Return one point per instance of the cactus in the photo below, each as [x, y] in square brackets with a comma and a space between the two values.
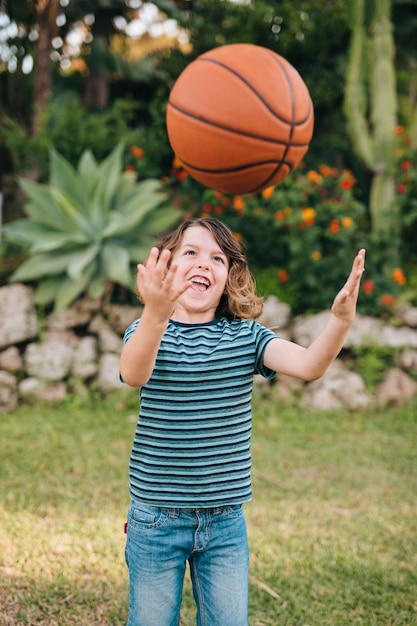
[371, 106]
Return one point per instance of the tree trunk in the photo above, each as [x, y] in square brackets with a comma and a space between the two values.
[97, 90]
[46, 14]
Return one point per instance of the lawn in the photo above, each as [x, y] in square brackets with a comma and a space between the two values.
[332, 525]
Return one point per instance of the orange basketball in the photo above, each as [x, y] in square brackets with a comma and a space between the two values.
[239, 118]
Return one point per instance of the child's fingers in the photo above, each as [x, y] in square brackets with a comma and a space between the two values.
[355, 275]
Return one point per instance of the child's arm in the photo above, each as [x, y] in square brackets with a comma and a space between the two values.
[159, 291]
[310, 363]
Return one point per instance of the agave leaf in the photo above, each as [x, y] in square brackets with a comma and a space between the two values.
[47, 290]
[141, 203]
[121, 223]
[48, 264]
[116, 264]
[138, 251]
[83, 260]
[126, 187]
[71, 209]
[69, 290]
[63, 176]
[109, 175]
[57, 241]
[43, 207]
[132, 213]
[87, 165]
[88, 179]
[97, 284]
[24, 231]
[160, 221]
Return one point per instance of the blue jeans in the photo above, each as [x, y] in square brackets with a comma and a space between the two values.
[159, 543]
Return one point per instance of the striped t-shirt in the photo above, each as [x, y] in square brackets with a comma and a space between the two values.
[192, 443]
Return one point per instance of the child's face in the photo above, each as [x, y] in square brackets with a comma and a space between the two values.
[203, 264]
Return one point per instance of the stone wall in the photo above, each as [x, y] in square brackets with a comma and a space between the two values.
[79, 348]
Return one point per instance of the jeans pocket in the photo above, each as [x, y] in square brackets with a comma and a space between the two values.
[233, 510]
[145, 516]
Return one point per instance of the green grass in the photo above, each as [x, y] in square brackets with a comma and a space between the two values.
[332, 525]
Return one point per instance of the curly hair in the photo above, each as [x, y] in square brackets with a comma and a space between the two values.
[239, 299]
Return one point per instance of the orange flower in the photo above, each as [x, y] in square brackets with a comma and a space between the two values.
[176, 163]
[347, 222]
[238, 203]
[398, 276]
[316, 255]
[130, 168]
[368, 286]
[327, 171]
[283, 276]
[308, 215]
[218, 209]
[137, 152]
[218, 195]
[388, 300]
[268, 192]
[399, 130]
[238, 236]
[314, 177]
[334, 226]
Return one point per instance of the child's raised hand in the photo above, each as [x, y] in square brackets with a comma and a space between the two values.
[344, 305]
[158, 284]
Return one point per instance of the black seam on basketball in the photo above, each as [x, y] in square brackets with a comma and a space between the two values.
[256, 92]
[231, 170]
[265, 182]
[242, 133]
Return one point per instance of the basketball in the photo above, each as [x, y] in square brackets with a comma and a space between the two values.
[239, 118]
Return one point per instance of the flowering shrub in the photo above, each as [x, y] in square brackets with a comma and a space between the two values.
[300, 237]
[406, 180]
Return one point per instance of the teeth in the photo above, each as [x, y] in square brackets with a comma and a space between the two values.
[201, 281]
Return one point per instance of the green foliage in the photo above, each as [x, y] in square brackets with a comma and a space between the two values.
[71, 130]
[371, 363]
[406, 194]
[11, 256]
[301, 236]
[88, 228]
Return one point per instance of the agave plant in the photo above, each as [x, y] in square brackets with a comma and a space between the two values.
[88, 228]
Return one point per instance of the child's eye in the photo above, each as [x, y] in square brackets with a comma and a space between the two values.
[189, 252]
[219, 259]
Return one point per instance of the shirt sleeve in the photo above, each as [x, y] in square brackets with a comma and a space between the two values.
[128, 333]
[263, 336]
[130, 330]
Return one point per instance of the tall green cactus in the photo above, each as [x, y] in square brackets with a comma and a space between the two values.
[371, 105]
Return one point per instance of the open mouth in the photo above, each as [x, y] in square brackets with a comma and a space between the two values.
[200, 283]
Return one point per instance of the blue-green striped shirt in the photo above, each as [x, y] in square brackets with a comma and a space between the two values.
[192, 443]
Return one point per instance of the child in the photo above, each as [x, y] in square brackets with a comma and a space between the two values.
[193, 353]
